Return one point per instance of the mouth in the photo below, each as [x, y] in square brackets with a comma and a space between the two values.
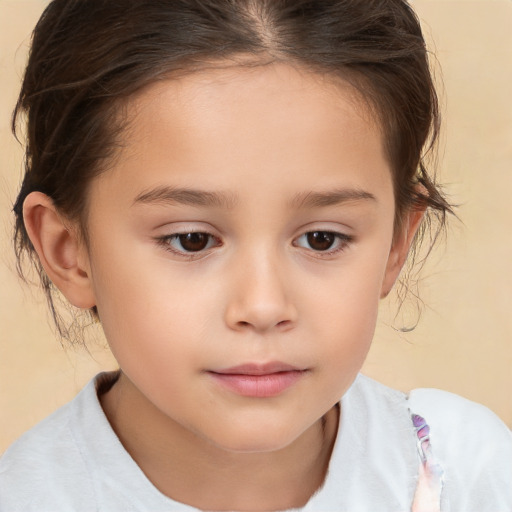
[258, 380]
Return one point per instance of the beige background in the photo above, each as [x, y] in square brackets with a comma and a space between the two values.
[463, 342]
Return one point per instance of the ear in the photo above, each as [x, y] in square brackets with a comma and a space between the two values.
[400, 248]
[60, 252]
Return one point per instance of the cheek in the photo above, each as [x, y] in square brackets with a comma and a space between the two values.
[158, 318]
[348, 325]
[142, 306]
[153, 334]
[343, 330]
[346, 315]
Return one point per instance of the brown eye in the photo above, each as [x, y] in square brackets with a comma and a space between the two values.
[194, 242]
[325, 243]
[320, 240]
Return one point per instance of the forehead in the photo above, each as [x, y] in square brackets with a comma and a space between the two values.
[277, 121]
[272, 88]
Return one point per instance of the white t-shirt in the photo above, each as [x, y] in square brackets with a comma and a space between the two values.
[74, 462]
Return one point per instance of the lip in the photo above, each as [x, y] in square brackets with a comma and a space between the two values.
[259, 380]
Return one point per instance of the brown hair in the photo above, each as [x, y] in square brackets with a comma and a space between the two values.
[88, 56]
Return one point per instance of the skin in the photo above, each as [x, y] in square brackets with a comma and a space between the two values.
[290, 153]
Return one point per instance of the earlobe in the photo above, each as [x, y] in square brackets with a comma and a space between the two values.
[58, 247]
[400, 249]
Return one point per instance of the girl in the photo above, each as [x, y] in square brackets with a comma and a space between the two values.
[229, 187]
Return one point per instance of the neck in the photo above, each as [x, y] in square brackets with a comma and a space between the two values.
[179, 462]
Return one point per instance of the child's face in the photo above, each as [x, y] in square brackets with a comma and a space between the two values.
[283, 179]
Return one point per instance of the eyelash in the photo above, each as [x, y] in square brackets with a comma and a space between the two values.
[166, 241]
[342, 241]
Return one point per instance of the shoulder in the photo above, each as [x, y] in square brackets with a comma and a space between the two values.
[36, 470]
[453, 419]
[473, 446]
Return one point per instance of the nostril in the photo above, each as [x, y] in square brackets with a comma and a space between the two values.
[283, 323]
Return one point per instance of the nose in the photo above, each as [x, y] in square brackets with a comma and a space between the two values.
[259, 299]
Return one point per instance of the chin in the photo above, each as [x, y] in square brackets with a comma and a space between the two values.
[256, 438]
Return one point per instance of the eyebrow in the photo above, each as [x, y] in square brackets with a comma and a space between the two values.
[331, 198]
[195, 197]
[186, 196]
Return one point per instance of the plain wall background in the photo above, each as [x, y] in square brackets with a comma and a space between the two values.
[463, 342]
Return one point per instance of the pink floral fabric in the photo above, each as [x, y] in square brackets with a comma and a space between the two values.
[427, 497]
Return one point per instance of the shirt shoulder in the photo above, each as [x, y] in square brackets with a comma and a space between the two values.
[73, 461]
[473, 446]
[374, 463]
[37, 470]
